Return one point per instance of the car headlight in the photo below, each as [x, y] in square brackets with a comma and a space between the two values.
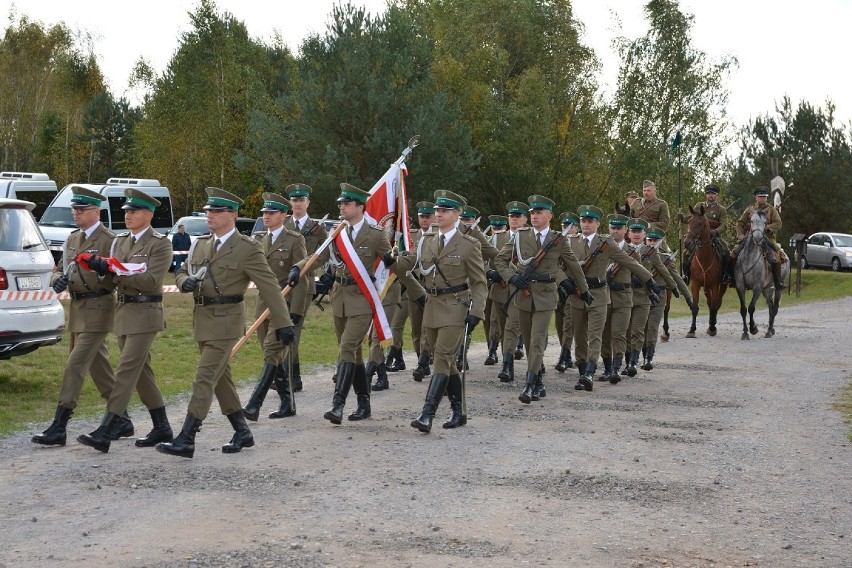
[848, 253]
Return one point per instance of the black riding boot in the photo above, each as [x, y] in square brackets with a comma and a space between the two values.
[526, 395]
[184, 444]
[264, 381]
[345, 376]
[776, 275]
[615, 377]
[422, 369]
[162, 431]
[507, 373]
[123, 428]
[687, 260]
[649, 357]
[727, 269]
[437, 386]
[99, 439]
[361, 386]
[381, 378]
[242, 435]
[282, 385]
[336, 371]
[297, 378]
[55, 433]
[607, 361]
[539, 392]
[586, 381]
[454, 393]
[631, 363]
[398, 361]
[461, 356]
[564, 359]
[492, 352]
[370, 370]
[581, 368]
[390, 356]
[644, 357]
[519, 350]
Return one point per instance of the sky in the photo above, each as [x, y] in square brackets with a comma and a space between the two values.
[797, 49]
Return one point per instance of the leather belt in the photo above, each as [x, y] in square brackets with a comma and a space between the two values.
[349, 281]
[91, 294]
[543, 280]
[217, 300]
[450, 290]
[138, 299]
[638, 285]
[620, 287]
[594, 283]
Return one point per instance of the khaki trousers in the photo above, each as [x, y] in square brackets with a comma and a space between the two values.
[589, 322]
[350, 331]
[377, 354]
[418, 338]
[511, 330]
[638, 319]
[89, 355]
[565, 325]
[534, 327]
[213, 376]
[655, 316]
[134, 371]
[614, 340]
[445, 342]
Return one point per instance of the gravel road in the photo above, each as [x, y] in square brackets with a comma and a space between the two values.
[728, 453]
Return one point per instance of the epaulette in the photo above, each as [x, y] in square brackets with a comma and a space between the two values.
[108, 232]
[376, 227]
[208, 236]
[77, 231]
[257, 234]
[471, 239]
[158, 235]
[293, 233]
[575, 236]
[247, 239]
[524, 228]
[605, 238]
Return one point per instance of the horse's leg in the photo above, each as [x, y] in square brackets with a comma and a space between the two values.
[772, 301]
[693, 285]
[741, 295]
[755, 294]
[665, 335]
[714, 310]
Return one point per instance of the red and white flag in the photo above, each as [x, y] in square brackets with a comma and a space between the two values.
[387, 207]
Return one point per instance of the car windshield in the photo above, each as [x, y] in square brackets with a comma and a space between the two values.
[58, 217]
[843, 240]
[18, 232]
[195, 226]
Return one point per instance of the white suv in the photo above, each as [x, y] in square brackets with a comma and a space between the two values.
[30, 314]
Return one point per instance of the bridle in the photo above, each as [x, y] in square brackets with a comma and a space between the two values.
[702, 228]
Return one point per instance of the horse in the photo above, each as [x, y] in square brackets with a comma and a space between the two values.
[752, 272]
[705, 269]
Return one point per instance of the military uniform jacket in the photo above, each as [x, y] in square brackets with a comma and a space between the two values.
[314, 234]
[542, 295]
[281, 255]
[668, 262]
[461, 263]
[489, 251]
[595, 270]
[619, 282]
[652, 261]
[773, 221]
[717, 216]
[655, 211]
[497, 292]
[155, 250]
[240, 260]
[88, 314]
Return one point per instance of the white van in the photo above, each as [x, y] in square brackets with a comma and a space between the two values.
[27, 186]
[57, 222]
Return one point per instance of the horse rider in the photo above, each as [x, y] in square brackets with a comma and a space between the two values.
[652, 209]
[717, 218]
[773, 225]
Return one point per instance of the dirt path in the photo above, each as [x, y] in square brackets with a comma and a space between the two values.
[717, 457]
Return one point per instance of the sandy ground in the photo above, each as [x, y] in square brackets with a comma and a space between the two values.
[727, 453]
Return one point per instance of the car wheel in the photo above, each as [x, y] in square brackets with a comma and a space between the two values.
[835, 264]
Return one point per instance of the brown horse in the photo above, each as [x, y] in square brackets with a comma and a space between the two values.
[705, 269]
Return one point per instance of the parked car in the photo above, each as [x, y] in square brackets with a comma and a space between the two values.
[828, 250]
[30, 315]
[195, 225]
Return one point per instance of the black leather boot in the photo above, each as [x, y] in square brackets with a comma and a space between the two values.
[336, 371]
[184, 444]
[644, 357]
[264, 381]
[526, 395]
[242, 435]
[282, 385]
[381, 378]
[437, 386]
[454, 394]
[564, 359]
[398, 362]
[422, 369]
[507, 373]
[581, 368]
[162, 431]
[631, 363]
[607, 361]
[297, 378]
[99, 439]
[123, 427]
[390, 357]
[614, 377]
[361, 386]
[370, 370]
[519, 349]
[539, 392]
[776, 275]
[345, 376]
[492, 353]
[55, 433]
[461, 356]
[586, 381]
[649, 357]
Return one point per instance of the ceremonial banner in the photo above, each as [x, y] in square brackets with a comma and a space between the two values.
[387, 207]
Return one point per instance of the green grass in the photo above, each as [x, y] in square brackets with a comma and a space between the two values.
[29, 384]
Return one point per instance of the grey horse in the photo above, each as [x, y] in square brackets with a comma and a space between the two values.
[752, 272]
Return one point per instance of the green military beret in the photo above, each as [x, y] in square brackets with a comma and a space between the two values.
[470, 212]
[82, 197]
[351, 193]
[517, 207]
[298, 190]
[618, 220]
[135, 199]
[540, 202]
[448, 200]
[590, 211]
[221, 200]
[425, 208]
[498, 220]
[275, 202]
[568, 218]
[640, 224]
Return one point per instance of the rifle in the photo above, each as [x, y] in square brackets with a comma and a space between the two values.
[530, 269]
[313, 229]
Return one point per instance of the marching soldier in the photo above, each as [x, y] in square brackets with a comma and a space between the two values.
[717, 218]
[90, 317]
[314, 233]
[217, 273]
[417, 304]
[497, 289]
[564, 329]
[517, 212]
[393, 359]
[138, 319]
[652, 209]
[614, 339]
[773, 225]
[595, 252]
[282, 248]
[539, 252]
[453, 269]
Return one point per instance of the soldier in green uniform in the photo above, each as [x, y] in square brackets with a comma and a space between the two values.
[453, 269]
[314, 233]
[537, 296]
[595, 253]
[90, 316]
[717, 218]
[138, 319]
[517, 213]
[564, 329]
[417, 304]
[282, 248]
[773, 225]
[652, 209]
[497, 289]
[614, 339]
[218, 272]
